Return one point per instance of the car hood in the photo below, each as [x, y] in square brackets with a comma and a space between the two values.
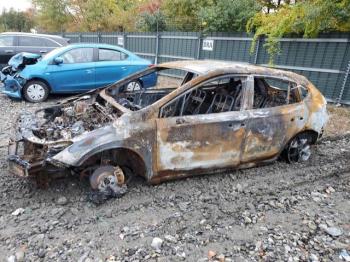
[20, 60]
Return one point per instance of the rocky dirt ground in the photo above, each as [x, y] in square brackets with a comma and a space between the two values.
[278, 212]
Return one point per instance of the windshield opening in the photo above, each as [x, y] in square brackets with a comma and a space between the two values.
[145, 88]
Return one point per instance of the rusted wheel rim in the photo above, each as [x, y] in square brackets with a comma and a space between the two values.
[106, 176]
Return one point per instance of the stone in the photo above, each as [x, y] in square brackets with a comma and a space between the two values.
[211, 254]
[62, 201]
[334, 231]
[344, 255]
[20, 255]
[170, 238]
[18, 211]
[221, 257]
[157, 243]
[247, 220]
[41, 253]
[313, 258]
[11, 259]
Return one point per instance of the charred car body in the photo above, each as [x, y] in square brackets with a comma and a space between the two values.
[221, 116]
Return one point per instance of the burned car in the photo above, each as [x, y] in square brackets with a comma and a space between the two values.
[219, 116]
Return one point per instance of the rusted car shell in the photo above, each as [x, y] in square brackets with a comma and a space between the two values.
[166, 150]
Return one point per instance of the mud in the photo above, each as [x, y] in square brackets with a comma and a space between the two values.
[277, 212]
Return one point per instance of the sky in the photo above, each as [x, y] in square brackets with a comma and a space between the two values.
[16, 4]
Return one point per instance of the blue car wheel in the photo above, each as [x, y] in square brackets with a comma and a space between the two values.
[134, 86]
[35, 91]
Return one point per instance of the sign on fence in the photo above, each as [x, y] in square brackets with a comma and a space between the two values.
[121, 40]
[208, 45]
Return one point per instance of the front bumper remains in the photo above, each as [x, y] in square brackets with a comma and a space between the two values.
[19, 164]
[11, 86]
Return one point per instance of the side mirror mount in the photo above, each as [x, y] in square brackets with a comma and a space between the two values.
[58, 60]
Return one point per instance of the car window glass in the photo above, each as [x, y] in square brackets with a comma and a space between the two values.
[6, 40]
[49, 43]
[110, 55]
[217, 96]
[30, 41]
[78, 55]
[272, 92]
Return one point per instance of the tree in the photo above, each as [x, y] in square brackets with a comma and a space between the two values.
[182, 15]
[16, 21]
[151, 22]
[100, 15]
[53, 15]
[308, 18]
[228, 15]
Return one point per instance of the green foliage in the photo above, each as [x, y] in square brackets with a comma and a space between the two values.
[182, 15]
[308, 18]
[151, 22]
[228, 15]
[100, 15]
[15, 21]
[53, 15]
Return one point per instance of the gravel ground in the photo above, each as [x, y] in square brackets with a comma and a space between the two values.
[278, 212]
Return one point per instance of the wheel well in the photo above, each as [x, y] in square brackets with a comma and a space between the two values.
[39, 79]
[313, 134]
[122, 157]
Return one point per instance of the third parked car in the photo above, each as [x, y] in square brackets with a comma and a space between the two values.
[12, 43]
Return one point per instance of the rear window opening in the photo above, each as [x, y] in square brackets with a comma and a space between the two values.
[272, 92]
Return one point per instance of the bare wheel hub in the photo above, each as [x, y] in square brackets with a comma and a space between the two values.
[107, 177]
[299, 150]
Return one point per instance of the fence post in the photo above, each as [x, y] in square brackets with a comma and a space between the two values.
[344, 83]
[157, 48]
[125, 37]
[198, 55]
[80, 37]
[257, 51]
[99, 37]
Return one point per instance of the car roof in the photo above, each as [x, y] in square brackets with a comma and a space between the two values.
[31, 34]
[217, 67]
[100, 45]
[58, 39]
[95, 45]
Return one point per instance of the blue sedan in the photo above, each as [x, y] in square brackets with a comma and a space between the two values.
[74, 68]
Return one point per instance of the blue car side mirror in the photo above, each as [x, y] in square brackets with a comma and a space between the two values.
[58, 60]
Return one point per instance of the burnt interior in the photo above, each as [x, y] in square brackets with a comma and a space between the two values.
[70, 120]
[214, 97]
[273, 93]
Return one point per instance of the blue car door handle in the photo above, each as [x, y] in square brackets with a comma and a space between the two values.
[124, 68]
[89, 71]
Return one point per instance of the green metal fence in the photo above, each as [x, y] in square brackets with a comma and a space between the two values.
[324, 60]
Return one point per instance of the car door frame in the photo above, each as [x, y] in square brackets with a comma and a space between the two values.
[124, 65]
[91, 70]
[225, 121]
[269, 129]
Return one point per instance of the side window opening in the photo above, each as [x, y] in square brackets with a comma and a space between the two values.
[216, 96]
[110, 55]
[78, 55]
[303, 92]
[272, 92]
